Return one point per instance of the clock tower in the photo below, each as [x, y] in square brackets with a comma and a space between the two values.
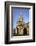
[20, 26]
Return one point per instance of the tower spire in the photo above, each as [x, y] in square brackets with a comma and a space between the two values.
[20, 16]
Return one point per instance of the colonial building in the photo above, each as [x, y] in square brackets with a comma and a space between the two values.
[21, 27]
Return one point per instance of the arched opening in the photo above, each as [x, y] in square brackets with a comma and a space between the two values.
[25, 31]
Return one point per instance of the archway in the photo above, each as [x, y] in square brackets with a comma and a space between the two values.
[25, 31]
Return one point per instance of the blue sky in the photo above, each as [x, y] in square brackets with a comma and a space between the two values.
[20, 11]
